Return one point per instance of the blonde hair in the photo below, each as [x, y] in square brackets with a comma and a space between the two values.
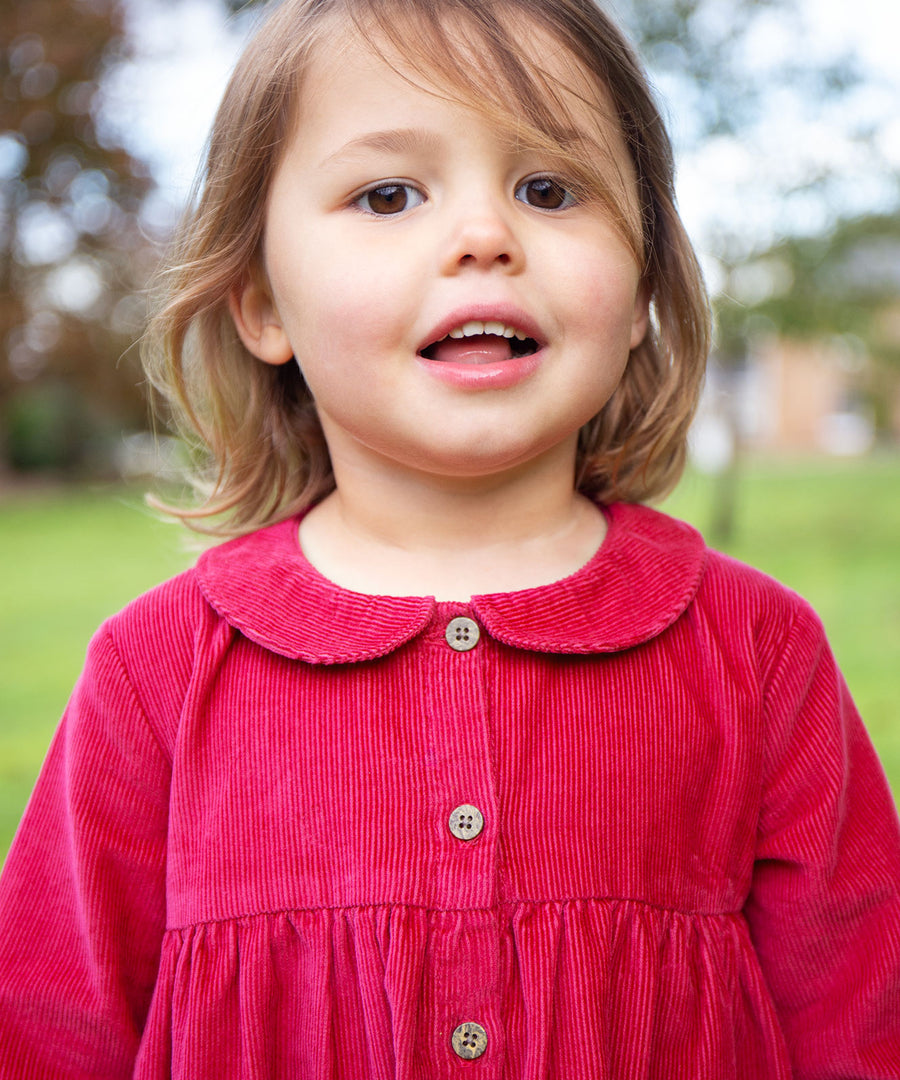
[262, 454]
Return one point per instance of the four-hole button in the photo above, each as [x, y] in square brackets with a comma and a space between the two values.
[462, 634]
[469, 1041]
[466, 822]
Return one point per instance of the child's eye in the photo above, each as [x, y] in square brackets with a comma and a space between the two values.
[545, 193]
[387, 199]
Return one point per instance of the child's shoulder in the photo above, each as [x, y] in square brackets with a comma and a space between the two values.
[751, 593]
[152, 646]
[734, 590]
[736, 610]
[174, 622]
[176, 608]
[168, 614]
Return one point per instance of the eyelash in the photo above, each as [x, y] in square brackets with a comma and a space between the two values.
[385, 186]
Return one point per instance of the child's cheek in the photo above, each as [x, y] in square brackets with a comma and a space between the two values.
[341, 306]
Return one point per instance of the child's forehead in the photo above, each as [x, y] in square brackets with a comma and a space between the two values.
[531, 73]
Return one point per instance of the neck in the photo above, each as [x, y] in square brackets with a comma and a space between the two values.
[396, 532]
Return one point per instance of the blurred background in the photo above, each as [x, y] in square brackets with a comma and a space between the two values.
[787, 127]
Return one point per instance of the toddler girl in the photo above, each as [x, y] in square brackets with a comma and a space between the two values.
[456, 759]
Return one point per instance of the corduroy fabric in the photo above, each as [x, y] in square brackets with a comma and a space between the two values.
[237, 860]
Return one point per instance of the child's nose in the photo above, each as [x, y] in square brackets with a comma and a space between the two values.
[483, 238]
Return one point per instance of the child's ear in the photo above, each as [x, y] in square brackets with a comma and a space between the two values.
[641, 316]
[257, 322]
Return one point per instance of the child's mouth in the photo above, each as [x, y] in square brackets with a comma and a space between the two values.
[478, 342]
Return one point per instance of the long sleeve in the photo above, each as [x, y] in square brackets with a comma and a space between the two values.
[824, 909]
[82, 897]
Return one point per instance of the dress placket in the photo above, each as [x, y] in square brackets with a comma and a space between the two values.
[463, 998]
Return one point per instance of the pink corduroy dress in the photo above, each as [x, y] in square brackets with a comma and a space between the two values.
[623, 826]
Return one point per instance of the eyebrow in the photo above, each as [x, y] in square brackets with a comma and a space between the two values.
[393, 141]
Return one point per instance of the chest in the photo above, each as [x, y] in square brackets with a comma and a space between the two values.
[465, 777]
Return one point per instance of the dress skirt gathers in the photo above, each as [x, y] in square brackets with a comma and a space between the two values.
[624, 826]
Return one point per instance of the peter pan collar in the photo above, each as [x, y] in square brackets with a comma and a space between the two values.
[641, 579]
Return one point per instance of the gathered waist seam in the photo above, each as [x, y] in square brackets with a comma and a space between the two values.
[494, 908]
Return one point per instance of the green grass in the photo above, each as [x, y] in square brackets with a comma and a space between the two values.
[829, 530]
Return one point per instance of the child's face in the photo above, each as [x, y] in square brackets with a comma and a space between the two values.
[398, 218]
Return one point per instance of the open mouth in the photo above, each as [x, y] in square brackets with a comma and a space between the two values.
[477, 342]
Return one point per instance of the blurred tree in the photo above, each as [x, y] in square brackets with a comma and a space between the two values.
[846, 280]
[72, 252]
[843, 283]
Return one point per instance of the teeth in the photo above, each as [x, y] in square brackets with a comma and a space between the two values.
[474, 327]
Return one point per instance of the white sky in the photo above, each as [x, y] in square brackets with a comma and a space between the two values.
[726, 183]
[163, 105]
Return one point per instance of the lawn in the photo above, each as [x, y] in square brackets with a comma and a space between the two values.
[830, 530]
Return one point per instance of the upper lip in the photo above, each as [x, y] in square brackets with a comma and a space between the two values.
[508, 314]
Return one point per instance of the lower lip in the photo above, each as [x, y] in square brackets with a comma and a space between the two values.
[498, 376]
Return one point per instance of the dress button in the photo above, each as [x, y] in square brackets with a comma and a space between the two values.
[462, 634]
[466, 822]
[469, 1041]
